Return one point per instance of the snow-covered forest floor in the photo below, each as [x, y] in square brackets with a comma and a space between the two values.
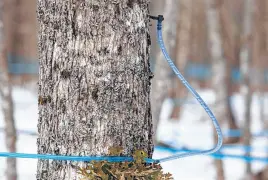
[193, 131]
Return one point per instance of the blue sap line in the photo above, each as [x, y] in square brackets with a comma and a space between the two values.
[195, 94]
[222, 156]
[245, 148]
[66, 158]
[120, 159]
[211, 152]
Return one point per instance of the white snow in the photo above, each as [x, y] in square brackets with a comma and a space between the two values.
[26, 119]
[191, 131]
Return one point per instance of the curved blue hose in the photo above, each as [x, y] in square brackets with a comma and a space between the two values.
[195, 94]
[148, 160]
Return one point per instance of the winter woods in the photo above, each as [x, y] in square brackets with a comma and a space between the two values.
[98, 79]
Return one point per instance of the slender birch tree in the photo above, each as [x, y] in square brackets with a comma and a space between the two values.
[6, 98]
[94, 85]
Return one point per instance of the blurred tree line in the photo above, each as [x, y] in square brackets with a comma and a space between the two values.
[20, 31]
[18, 47]
[219, 45]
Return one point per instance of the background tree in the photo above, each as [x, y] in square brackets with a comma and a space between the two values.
[230, 34]
[21, 41]
[218, 68]
[245, 60]
[259, 63]
[6, 96]
[184, 21]
[94, 84]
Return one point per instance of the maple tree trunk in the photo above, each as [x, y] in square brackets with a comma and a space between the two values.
[94, 81]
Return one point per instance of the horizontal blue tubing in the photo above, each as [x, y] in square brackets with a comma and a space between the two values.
[245, 148]
[217, 155]
[19, 65]
[65, 158]
[247, 159]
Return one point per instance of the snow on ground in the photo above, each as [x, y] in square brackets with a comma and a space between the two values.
[195, 133]
[26, 119]
[191, 131]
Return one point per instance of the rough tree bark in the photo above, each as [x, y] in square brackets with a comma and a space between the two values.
[6, 100]
[218, 68]
[163, 73]
[94, 86]
[245, 58]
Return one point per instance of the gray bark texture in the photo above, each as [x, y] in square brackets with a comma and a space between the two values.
[163, 74]
[94, 82]
[218, 69]
[6, 101]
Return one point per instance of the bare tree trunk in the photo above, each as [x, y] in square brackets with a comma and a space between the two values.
[94, 86]
[231, 41]
[24, 37]
[260, 54]
[265, 64]
[163, 75]
[198, 52]
[182, 47]
[7, 102]
[218, 68]
[21, 35]
[245, 58]
[262, 44]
